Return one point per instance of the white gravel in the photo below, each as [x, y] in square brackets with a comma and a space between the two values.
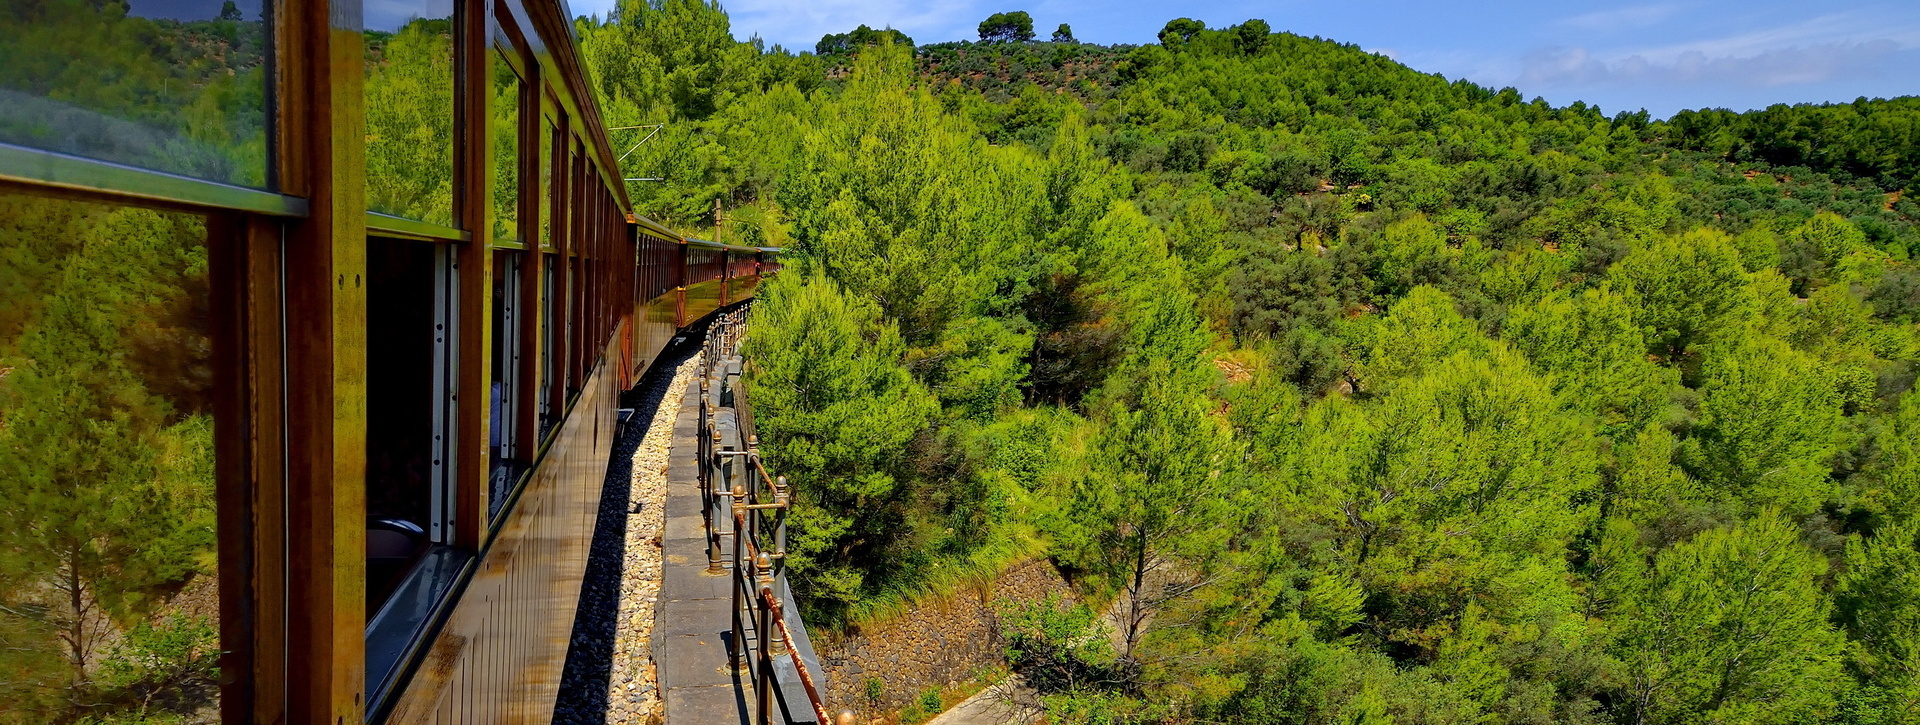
[635, 695]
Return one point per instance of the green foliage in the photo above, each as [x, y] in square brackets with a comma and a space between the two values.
[1055, 645]
[1178, 32]
[1683, 286]
[1877, 600]
[409, 92]
[1013, 27]
[1732, 627]
[1349, 393]
[828, 384]
[106, 440]
[858, 38]
[1769, 419]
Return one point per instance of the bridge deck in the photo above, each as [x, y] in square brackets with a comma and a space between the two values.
[694, 622]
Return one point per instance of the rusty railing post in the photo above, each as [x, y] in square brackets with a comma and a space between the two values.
[742, 594]
[763, 678]
[714, 523]
[781, 497]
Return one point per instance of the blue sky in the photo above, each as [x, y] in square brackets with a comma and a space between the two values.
[1662, 56]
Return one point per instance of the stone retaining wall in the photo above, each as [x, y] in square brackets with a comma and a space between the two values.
[940, 642]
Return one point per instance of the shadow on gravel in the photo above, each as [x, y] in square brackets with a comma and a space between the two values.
[584, 684]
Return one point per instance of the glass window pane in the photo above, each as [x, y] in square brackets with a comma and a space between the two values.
[506, 148]
[409, 106]
[551, 340]
[409, 406]
[172, 86]
[551, 137]
[108, 555]
[502, 446]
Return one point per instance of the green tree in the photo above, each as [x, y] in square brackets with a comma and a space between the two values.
[1769, 421]
[409, 102]
[836, 409]
[1064, 34]
[106, 472]
[1733, 628]
[860, 37]
[1251, 36]
[1158, 501]
[1684, 287]
[1013, 27]
[1461, 486]
[1893, 482]
[1177, 32]
[1813, 249]
[1420, 331]
[1595, 349]
[1877, 599]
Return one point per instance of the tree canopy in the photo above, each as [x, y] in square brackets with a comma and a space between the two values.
[1350, 393]
[1013, 27]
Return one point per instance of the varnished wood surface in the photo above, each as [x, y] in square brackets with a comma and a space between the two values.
[702, 299]
[500, 655]
[654, 327]
[325, 380]
[254, 606]
[741, 289]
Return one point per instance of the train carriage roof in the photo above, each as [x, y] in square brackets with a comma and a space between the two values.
[692, 242]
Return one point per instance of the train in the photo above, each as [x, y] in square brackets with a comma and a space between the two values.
[414, 289]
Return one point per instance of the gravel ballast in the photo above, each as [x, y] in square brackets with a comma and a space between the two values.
[609, 676]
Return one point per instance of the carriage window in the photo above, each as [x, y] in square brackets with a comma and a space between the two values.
[545, 206]
[549, 346]
[505, 129]
[410, 395]
[502, 446]
[176, 87]
[409, 109]
[106, 459]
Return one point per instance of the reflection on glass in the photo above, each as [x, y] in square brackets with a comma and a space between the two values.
[544, 205]
[171, 85]
[409, 107]
[501, 444]
[506, 148]
[107, 548]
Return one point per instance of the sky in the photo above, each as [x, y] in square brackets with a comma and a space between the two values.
[1660, 56]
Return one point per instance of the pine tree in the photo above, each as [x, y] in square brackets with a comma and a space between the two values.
[1733, 628]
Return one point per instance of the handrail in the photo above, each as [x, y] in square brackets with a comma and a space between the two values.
[758, 565]
[806, 679]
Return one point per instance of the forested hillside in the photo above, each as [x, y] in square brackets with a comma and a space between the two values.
[1343, 392]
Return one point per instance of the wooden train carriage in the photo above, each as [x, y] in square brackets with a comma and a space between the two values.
[743, 274]
[376, 263]
[658, 277]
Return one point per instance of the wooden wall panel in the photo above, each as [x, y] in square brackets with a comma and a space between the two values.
[702, 299]
[322, 157]
[653, 329]
[500, 655]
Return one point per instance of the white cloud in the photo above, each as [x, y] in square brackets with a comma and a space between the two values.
[1835, 29]
[1794, 65]
[1822, 49]
[1637, 16]
[787, 21]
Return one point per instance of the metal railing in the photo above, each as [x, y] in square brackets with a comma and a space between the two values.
[745, 508]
